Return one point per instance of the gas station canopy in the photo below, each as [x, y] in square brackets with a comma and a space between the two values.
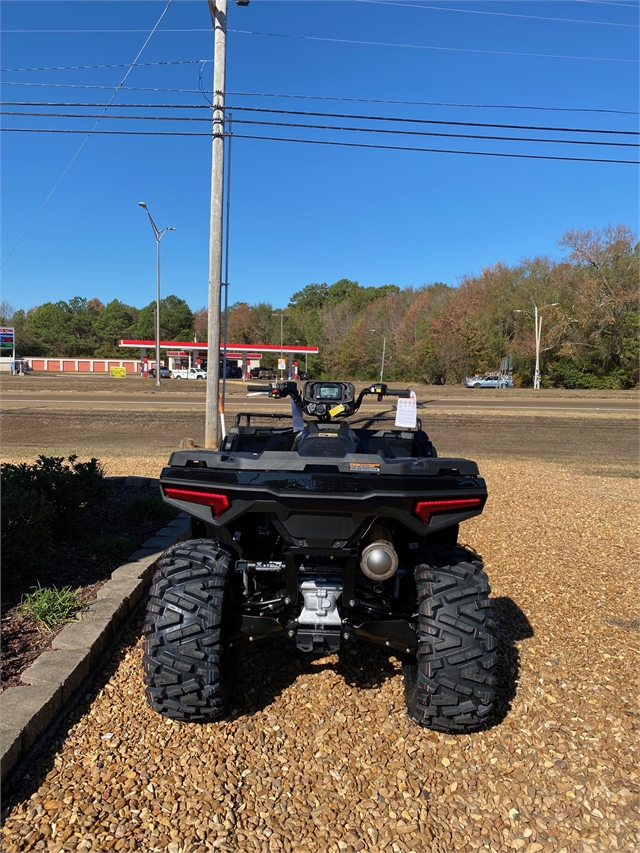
[201, 346]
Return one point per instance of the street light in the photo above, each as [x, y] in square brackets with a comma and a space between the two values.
[158, 235]
[384, 347]
[282, 315]
[306, 359]
[537, 320]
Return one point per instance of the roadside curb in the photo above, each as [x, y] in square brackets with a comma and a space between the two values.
[52, 683]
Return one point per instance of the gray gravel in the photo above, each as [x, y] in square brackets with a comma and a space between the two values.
[320, 755]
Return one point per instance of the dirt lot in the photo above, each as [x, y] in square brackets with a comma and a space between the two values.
[319, 754]
[132, 417]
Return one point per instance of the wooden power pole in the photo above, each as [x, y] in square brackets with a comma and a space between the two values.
[218, 10]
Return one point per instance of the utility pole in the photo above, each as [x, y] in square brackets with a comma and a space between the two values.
[218, 10]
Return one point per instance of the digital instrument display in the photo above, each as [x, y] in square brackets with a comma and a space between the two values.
[329, 392]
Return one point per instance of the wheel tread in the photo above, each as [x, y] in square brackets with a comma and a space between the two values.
[450, 685]
[184, 655]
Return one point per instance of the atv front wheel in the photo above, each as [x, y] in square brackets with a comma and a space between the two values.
[185, 660]
[449, 684]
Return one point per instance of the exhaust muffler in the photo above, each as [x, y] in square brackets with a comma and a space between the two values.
[379, 560]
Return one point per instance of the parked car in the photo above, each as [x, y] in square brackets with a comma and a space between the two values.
[263, 373]
[489, 380]
[234, 372]
[191, 373]
[165, 373]
[303, 375]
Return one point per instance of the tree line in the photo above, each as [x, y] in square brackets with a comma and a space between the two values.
[588, 302]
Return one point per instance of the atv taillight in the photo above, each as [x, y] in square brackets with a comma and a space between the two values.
[218, 503]
[425, 509]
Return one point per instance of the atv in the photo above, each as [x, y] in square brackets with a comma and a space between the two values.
[326, 534]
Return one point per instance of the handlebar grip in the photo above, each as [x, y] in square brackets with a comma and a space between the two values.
[257, 388]
[391, 393]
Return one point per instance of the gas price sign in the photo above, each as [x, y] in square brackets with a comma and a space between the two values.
[7, 340]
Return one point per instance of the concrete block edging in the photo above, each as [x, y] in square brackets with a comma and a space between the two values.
[53, 684]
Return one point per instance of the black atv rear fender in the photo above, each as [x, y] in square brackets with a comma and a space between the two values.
[324, 506]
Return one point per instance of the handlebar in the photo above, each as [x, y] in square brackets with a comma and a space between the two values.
[337, 405]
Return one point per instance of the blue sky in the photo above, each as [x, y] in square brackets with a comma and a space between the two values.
[310, 213]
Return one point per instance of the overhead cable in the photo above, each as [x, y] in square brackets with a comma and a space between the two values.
[434, 121]
[332, 98]
[374, 2]
[310, 114]
[332, 127]
[608, 3]
[432, 47]
[347, 41]
[500, 14]
[77, 154]
[324, 142]
[111, 65]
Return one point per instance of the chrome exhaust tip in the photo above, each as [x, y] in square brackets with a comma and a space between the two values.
[379, 560]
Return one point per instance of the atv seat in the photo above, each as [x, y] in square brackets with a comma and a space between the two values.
[247, 439]
[392, 444]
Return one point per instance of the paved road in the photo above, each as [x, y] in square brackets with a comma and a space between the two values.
[12, 400]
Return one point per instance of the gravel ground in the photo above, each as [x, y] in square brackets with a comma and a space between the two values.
[320, 755]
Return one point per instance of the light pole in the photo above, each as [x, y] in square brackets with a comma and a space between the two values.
[158, 235]
[537, 320]
[281, 314]
[384, 348]
[306, 359]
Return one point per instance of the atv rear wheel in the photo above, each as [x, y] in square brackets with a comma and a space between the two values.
[185, 660]
[449, 684]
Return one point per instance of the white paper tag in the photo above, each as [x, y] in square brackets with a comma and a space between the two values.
[407, 411]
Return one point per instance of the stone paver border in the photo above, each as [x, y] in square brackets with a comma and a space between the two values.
[53, 683]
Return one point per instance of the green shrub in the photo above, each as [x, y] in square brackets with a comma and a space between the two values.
[568, 373]
[40, 504]
[27, 527]
[111, 547]
[51, 606]
[148, 507]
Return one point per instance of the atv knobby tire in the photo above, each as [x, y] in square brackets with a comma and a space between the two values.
[185, 661]
[449, 683]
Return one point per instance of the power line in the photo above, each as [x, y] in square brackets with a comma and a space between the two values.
[111, 65]
[608, 3]
[332, 98]
[435, 121]
[500, 14]
[334, 127]
[342, 41]
[374, 2]
[431, 103]
[323, 142]
[77, 154]
[431, 47]
[83, 31]
[310, 114]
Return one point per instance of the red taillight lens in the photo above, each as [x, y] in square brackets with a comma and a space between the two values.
[218, 503]
[425, 509]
